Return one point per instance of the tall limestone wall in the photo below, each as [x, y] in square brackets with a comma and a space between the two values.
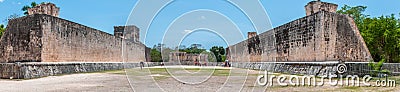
[21, 40]
[322, 36]
[45, 38]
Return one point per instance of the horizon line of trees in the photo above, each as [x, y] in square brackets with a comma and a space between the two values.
[160, 52]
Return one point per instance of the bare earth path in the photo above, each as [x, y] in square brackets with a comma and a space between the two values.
[103, 82]
[157, 79]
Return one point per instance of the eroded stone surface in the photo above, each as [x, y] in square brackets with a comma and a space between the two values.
[45, 38]
[316, 68]
[322, 36]
[45, 8]
[37, 70]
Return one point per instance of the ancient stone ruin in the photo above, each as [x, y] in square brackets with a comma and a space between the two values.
[42, 44]
[316, 6]
[188, 58]
[46, 8]
[322, 35]
[311, 45]
[40, 37]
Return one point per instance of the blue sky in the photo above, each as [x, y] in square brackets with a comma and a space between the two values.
[104, 14]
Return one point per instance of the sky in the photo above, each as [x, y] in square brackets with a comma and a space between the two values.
[184, 22]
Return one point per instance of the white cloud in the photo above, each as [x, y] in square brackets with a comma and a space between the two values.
[187, 31]
[1, 1]
[19, 3]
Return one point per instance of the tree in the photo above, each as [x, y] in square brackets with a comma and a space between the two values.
[382, 38]
[211, 57]
[155, 55]
[193, 49]
[197, 46]
[356, 12]
[26, 7]
[219, 53]
[381, 34]
[160, 53]
[2, 29]
[159, 46]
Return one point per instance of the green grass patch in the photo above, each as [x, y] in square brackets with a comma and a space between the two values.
[158, 71]
[221, 72]
[120, 72]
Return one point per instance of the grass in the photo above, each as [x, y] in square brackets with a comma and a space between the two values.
[157, 78]
[228, 72]
[395, 78]
[162, 71]
[121, 72]
[221, 72]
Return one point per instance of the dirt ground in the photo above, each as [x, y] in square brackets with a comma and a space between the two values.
[159, 79]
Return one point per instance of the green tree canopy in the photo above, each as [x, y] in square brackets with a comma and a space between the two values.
[155, 55]
[219, 53]
[356, 12]
[193, 49]
[381, 34]
[2, 29]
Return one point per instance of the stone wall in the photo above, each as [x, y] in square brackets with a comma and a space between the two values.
[147, 54]
[323, 36]
[316, 68]
[21, 40]
[37, 70]
[45, 38]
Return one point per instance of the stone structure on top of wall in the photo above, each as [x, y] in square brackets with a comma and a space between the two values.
[46, 8]
[187, 58]
[43, 37]
[322, 35]
[130, 32]
[316, 6]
